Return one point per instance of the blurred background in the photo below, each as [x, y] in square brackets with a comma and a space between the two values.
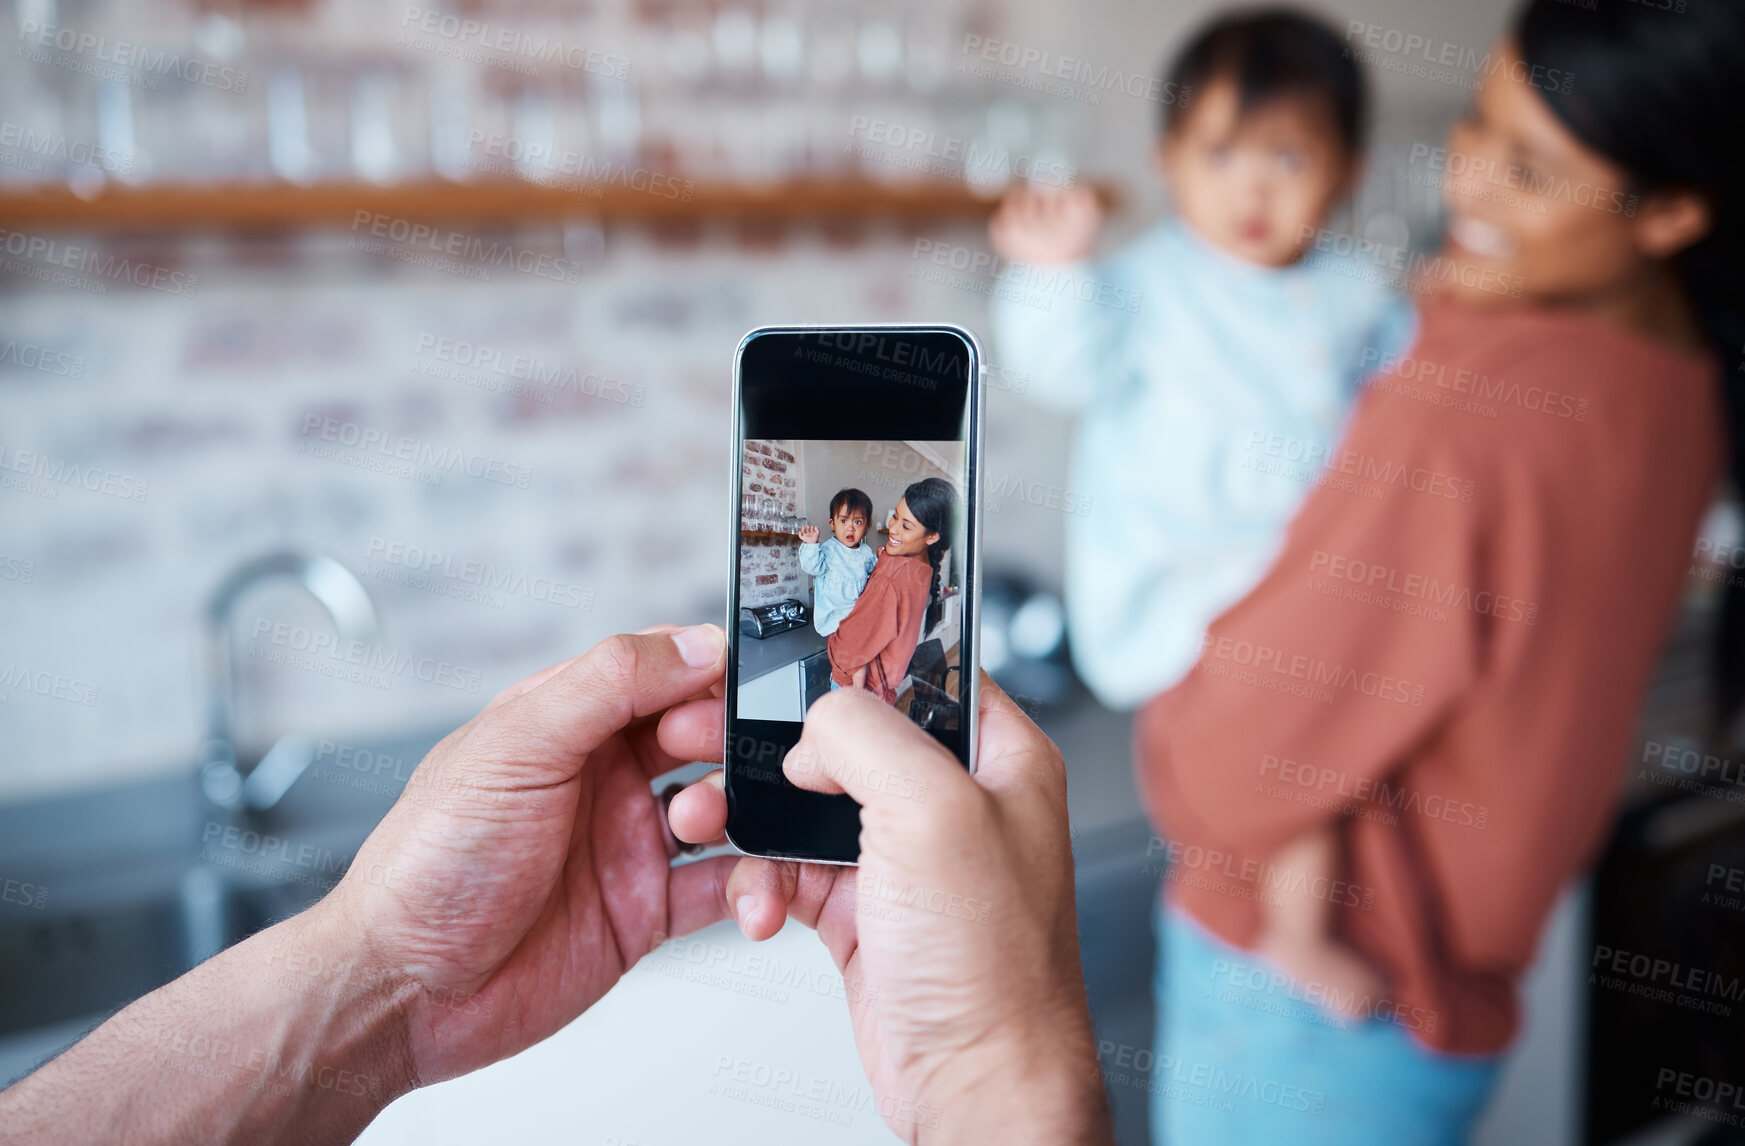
[332, 326]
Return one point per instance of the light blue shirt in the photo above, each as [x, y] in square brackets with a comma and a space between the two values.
[838, 575]
[1210, 390]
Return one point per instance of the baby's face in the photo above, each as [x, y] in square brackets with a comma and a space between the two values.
[1255, 186]
[849, 526]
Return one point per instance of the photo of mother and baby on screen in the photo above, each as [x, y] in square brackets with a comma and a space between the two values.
[850, 576]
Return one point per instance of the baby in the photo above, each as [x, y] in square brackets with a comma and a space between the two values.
[1229, 337]
[841, 565]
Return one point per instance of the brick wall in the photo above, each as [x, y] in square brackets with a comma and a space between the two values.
[769, 567]
[595, 506]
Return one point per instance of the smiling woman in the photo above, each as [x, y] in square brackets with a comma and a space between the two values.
[1578, 229]
[1620, 227]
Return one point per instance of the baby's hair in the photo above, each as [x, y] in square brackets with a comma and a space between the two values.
[1271, 54]
[853, 499]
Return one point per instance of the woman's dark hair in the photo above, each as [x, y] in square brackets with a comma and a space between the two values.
[933, 503]
[1271, 54]
[854, 499]
[1659, 90]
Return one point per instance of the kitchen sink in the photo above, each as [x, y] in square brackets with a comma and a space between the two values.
[65, 965]
[117, 891]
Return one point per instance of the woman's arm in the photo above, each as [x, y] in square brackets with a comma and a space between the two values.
[1317, 666]
[864, 633]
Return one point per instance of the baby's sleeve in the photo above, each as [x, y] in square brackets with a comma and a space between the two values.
[870, 560]
[812, 557]
[1065, 351]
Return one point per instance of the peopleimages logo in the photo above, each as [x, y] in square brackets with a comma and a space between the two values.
[1079, 79]
[1400, 267]
[1419, 55]
[521, 375]
[1250, 878]
[37, 38]
[1699, 1096]
[575, 170]
[41, 251]
[1381, 472]
[476, 253]
[1378, 578]
[34, 147]
[30, 356]
[49, 684]
[982, 271]
[1469, 174]
[46, 476]
[1352, 791]
[414, 457]
[1269, 666]
[361, 662]
[482, 574]
[925, 149]
[518, 50]
[1386, 370]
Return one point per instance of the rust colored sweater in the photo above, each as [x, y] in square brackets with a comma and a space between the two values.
[1446, 658]
[884, 626]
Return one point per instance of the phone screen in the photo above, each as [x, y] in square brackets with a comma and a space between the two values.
[855, 550]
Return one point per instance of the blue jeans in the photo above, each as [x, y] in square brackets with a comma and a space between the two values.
[1241, 1062]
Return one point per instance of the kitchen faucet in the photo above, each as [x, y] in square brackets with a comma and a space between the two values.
[223, 779]
[237, 793]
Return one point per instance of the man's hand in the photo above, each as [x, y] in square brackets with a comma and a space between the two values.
[523, 870]
[956, 936]
[529, 869]
[809, 534]
[1046, 227]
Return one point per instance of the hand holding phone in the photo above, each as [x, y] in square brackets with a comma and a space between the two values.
[962, 903]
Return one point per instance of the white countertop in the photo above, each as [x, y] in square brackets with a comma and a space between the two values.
[687, 1049]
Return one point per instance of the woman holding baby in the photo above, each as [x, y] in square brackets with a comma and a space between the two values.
[872, 646]
[1372, 975]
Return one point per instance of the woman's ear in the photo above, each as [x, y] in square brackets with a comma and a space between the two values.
[932, 537]
[1669, 221]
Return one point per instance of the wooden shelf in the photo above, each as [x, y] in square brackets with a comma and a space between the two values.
[780, 533]
[283, 205]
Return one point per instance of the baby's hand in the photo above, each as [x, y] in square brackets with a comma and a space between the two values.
[1344, 980]
[809, 534]
[1042, 227]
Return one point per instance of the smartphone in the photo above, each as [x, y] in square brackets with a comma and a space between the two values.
[870, 435]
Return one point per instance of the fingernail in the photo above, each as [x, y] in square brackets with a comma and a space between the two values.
[717, 779]
[743, 909]
[699, 645]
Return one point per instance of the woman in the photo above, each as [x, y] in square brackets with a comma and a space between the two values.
[881, 631]
[1447, 674]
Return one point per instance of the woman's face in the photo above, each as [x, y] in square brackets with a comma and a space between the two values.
[1533, 213]
[909, 538]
